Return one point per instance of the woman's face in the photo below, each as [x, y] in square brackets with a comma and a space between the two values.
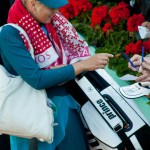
[42, 13]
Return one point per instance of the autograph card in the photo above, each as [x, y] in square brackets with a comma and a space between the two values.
[128, 77]
[144, 32]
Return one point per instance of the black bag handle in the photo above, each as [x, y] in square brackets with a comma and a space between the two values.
[99, 83]
[127, 122]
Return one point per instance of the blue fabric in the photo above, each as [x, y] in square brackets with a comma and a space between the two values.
[73, 130]
[74, 140]
[54, 3]
[17, 60]
[63, 103]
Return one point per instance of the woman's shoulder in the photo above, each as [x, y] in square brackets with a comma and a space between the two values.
[9, 35]
[7, 31]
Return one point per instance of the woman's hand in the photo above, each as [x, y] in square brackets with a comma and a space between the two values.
[146, 64]
[136, 59]
[144, 78]
[145, 71]
[97, 61]
[94, 62]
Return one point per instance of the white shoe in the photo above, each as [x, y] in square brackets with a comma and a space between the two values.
[135, 90]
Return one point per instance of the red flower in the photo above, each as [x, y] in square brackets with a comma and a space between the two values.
[75, 7]
[107, 27]
[134, 48]
[128, 48]
[119, 13]
[115, 21]
[134, 21]
[147, 46]
[99, 14]
[80, 6]
[68, 11]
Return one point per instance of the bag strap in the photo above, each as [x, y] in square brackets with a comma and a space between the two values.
[101, 105]
[25, 35]
[33, 144]
[94, 78]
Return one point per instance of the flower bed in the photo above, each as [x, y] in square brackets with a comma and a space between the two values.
[109, 27]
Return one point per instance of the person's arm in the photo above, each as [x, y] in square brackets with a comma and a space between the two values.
[19, 58]
[16, 54]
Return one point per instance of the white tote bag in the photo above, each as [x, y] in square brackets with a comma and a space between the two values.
[23, 109]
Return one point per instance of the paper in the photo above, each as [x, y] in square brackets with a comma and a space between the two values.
[144, 32]
[128, 77]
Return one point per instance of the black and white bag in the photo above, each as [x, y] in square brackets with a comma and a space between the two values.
[114, 120]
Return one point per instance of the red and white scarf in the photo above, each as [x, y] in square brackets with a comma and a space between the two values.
[62, 45]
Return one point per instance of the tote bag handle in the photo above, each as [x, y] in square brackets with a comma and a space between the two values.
[25, 35]
[33, 144]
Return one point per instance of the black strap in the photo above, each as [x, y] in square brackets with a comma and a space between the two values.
[101, 84]
[125, 140]
[33, 144]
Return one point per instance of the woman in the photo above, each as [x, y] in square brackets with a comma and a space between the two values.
[60, 55]
[4, 7]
